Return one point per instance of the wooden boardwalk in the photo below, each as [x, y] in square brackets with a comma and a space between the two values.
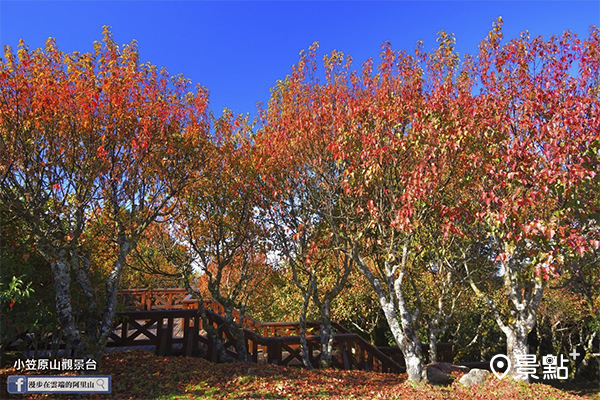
[167, 322]
[176, 328]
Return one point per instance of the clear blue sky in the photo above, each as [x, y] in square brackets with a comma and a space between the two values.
[238, 50]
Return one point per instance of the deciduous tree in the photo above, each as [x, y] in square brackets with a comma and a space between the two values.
[300, 179]
[536, 121]
[385, 148]
[93, 135]
[217, 224]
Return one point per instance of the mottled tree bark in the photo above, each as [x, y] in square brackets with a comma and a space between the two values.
[303, 343]
[64, 309]
[397, 314]
[327, 334]
[110, 304]
[438, 325]
[524, 303]
[97, 330]
[323, 299]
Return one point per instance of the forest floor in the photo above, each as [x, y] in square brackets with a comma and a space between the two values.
[142, 375]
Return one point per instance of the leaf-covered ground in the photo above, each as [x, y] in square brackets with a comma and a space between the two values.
[142, 375]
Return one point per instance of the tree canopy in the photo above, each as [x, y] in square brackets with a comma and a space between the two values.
[400, 187]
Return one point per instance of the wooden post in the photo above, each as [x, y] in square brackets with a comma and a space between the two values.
[340, 355]
[213, 351]
[161, 335]
[346, 360]
[190, 341]
[274, 353]
[124, 331]
[148, 304]
[187, 345]
[361, 357]
[169, 335]
[255, 351]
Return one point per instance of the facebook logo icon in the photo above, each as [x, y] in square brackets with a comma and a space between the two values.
[17, 384]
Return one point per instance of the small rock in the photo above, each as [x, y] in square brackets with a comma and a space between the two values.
[436, 375]
[475, 377]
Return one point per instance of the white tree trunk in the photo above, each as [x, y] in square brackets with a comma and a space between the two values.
[303, 344]
[327, 335]
[524, 303]
[399, 319]
[110, 305]
[516, 347]
[406, 341]
[64, 309]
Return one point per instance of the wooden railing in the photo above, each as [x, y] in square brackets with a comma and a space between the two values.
[152, 299]
[171, 322]
[180, 332]
[277, 329]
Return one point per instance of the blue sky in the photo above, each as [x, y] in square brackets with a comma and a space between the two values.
[238, 50]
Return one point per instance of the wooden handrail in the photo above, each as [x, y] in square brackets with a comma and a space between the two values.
[252, 323]
[173, 290]
[148, 299]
